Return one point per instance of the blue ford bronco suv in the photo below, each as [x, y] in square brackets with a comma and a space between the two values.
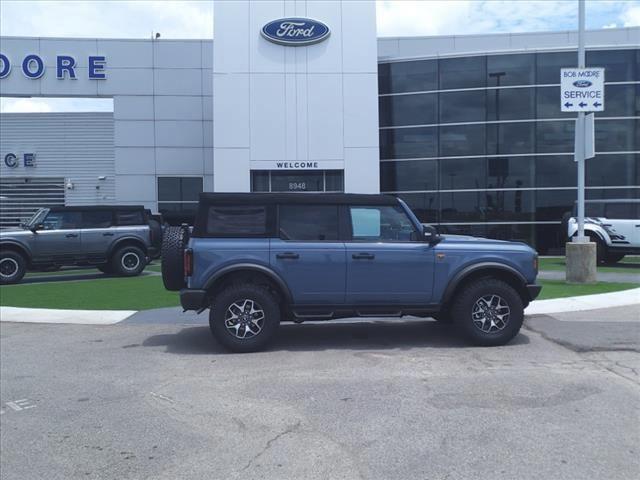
[256, 259]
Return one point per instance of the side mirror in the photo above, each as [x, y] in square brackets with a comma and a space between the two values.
[430, 235]
[36, 227]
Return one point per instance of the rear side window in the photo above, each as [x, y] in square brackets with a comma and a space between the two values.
[308, 222]
[237, 220]
[130, 217]
[96, 219]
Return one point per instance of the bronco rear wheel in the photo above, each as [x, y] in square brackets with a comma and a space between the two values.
[174, 241]
[244, 318]
[488, 312]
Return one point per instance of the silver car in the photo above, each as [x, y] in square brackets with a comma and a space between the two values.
[115, 239]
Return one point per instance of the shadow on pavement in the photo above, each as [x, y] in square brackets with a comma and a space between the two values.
[403, 335]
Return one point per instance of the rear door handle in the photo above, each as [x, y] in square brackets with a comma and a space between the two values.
[71, 235]
[363, 256]
[107, 234]
[288, 255]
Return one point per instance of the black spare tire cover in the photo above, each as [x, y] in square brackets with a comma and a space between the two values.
[174, 241]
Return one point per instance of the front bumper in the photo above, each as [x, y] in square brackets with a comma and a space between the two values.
[193, 299]
[533, 291]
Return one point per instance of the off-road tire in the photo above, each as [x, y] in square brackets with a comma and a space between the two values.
[238, 293]
[465, 300]
[444, 317]
[612, 258]
[174, 241]
[13, 266]
[105, 268]
[128, 261]
[601, 249]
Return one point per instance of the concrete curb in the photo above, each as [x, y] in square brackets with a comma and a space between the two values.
[585, 302]
[45, 315]
[110, 317]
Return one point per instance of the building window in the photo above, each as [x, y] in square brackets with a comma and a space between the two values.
[178, 195]
[296, 181]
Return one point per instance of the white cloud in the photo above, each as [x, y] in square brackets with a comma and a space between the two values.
[194, 19]
[107, 19]
[631, 17]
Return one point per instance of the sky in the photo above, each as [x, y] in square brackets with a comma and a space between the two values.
[194, 19]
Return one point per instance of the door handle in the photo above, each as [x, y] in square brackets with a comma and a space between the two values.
[363, 256]
[288, 255]
[71, 235]
[107, 234]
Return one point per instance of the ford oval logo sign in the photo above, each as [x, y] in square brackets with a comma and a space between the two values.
[295, 31]
[582, 83]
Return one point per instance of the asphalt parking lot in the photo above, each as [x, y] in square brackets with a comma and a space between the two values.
[375, 400]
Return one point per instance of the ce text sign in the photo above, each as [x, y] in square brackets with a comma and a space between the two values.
[582, 89]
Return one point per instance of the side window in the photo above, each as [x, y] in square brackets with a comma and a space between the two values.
[384, 223]
[96, 219]
[308, 222]
[130, 217]
[620, 211]
[237, 220]
[62, 221]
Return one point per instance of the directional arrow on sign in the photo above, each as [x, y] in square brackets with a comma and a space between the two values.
[582, 104]
[596, 104]
[568, 104]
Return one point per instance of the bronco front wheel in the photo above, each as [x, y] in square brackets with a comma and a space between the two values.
[244, 318]
[488, 312]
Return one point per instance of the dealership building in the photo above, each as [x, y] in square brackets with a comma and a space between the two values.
[468, 130]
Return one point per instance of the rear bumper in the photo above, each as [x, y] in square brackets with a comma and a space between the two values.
[193, 299]
[533, 291]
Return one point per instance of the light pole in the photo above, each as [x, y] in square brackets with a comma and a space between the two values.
[581, 254]
[580, 153]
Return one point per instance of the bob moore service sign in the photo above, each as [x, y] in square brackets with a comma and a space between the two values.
[295, 32]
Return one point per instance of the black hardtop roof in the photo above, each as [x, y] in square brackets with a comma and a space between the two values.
[95, 207]
[296, 198]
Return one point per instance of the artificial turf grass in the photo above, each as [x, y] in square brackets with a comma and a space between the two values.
[561, 289]
[628, 264]
[133, 293]
[147, 292]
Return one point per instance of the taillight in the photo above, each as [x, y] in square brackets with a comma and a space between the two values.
[188, 262]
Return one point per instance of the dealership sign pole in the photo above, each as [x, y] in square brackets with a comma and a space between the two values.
[582, 91]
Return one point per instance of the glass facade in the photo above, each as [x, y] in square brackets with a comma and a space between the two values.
[296, 181]
[477, 145]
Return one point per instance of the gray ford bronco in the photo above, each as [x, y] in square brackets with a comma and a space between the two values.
[258, 259]
[115, 239]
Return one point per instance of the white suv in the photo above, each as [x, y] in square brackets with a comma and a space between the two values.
[614, 225]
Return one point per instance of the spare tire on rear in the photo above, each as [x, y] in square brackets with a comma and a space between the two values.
[174, 241]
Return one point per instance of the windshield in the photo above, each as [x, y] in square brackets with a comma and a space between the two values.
[37, 217]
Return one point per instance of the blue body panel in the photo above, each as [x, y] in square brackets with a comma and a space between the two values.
[398, 273]
[316, 276]
[213, 254]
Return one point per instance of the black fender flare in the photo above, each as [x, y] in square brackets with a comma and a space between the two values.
[128, 239]
[476, 267]
[13, 245]
[256, 267]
